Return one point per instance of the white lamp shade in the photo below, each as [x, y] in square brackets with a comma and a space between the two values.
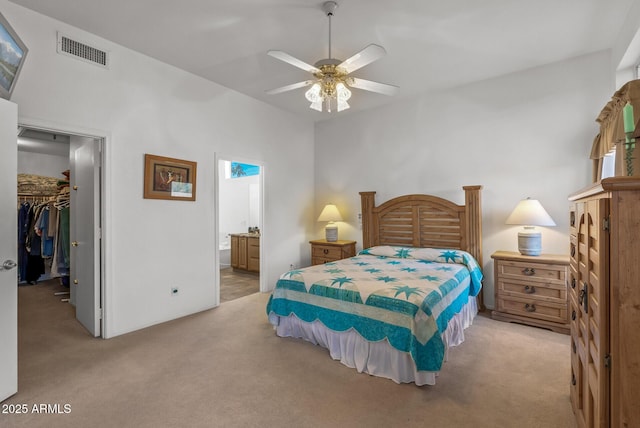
[330, 213]
[530, 212]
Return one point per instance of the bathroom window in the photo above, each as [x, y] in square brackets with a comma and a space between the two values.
[238, 170]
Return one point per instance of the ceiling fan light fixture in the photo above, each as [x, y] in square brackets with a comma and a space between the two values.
[343, 94]
[317, 105]
[342, 105]
[324, 91]
[332, 80]
[313, 94]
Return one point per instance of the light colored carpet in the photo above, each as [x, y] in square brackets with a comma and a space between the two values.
[226, 368]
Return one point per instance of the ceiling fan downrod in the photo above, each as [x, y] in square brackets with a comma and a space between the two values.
[329, 7]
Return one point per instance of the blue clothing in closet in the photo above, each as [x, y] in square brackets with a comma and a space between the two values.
[43, 226]
[23, 224]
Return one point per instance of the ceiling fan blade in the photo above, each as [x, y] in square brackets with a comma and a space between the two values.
[362, 58]
[368, 85]
[283, 56]
[289, 87]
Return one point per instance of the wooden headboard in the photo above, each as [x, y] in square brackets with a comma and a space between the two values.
[424, 221]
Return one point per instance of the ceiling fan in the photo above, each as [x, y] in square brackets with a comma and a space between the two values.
[332, 78]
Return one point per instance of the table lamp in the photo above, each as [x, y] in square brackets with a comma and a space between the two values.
[331, 214]
[530, 213]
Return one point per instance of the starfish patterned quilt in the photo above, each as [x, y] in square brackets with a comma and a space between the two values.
[402, 294]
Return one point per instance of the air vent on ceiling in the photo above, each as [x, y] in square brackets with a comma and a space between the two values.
[82, 51]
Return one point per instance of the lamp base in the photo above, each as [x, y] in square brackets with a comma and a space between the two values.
[331, 233]
[530, 243]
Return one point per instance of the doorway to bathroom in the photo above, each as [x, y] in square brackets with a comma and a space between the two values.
[239, 196]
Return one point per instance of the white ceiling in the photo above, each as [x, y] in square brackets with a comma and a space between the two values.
[431, 44]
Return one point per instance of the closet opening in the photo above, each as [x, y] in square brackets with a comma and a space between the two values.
[59, 225]
[240, 231]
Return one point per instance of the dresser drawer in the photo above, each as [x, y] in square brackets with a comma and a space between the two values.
[549, 311]
[323, 251]
[253, 249]
[552, 292]
[537, 272]
[326, 252]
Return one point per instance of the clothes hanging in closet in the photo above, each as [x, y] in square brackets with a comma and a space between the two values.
[43, 227]
[23, 220]
[33, 245]
[43, 237]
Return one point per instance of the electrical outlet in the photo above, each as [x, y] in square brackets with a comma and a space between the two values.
[174, 291]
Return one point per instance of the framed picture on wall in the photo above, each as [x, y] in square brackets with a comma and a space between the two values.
[12, 56]
[169, 178]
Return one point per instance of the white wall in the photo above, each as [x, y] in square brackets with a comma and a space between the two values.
[42, 164]
[143, 106]
[524, 134]
[625, 54]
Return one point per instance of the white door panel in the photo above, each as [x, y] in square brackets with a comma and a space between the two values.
[85, 223]
[8, 249]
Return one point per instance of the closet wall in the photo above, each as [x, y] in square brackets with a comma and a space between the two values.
[42, 153]
[42, 164]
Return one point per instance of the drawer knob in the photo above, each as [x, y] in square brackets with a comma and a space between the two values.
[573, 315]
[573, 380]
[573, 283]
[529, 289]
[529, 271]
[575, 348]
[573, 251]
[325, 251]
[530, 307]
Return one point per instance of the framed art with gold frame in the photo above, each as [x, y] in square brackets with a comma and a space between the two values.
[169, 178]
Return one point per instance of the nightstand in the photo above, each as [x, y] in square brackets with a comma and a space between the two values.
[531, 289]
[323, 251]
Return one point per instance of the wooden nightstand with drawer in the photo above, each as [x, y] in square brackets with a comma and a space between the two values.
[531, 289]
[323, 251]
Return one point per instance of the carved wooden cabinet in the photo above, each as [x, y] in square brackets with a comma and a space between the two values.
[245, 251]
[323, 251]
[604, 303]
[531, 289]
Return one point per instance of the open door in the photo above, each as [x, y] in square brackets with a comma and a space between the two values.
[8, 249]
[85, 232]
[239, 210]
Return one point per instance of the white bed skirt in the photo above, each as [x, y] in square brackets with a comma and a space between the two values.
[375, 358]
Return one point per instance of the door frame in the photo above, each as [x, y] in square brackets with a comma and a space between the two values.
[263, 236]
[103, 139]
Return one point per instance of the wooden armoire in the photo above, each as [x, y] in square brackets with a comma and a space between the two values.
[604, 303]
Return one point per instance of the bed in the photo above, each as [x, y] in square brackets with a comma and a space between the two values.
[395, 308]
